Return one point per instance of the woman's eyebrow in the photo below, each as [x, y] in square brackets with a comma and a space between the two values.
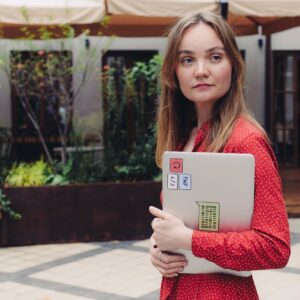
[190, 52]
[185, 52]
[216, 48]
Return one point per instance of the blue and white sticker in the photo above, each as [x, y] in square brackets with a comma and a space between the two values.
[172, 181]
[185, 182]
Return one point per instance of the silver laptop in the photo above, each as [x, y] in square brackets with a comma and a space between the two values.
[210, 192]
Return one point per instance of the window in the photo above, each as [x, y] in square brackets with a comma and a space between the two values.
[39, 82]
[127, 57]
[285, 107]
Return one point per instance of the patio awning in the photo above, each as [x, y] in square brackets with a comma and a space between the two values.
[130, 18]
[159, 8]
[18, 15]
[151, 17]
[52, 12]
[244, 15]
[137, 18]
[272, 15]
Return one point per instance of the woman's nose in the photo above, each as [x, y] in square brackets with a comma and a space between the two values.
[201, 70]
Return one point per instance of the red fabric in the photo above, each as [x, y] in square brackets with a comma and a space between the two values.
[265, 246]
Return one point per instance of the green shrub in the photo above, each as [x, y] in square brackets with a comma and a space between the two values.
[129, 103]
[28, 174]
[5, 206]
[5, 150]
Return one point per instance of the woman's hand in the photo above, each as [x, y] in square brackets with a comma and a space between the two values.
[169, 232]
[168, 265]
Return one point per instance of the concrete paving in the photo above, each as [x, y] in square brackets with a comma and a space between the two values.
[113, 271]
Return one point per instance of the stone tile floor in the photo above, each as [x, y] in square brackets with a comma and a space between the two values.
[113, 271]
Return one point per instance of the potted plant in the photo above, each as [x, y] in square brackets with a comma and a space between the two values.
[88, 199]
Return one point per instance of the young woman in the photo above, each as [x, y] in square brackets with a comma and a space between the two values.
[202, 108]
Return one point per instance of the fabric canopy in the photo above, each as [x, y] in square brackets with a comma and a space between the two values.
[271, 15]
[143, 17]
[160, 8]
[265, 8]
[153, 17]
[53, 12]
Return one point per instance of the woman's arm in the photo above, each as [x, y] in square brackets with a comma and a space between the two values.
[267, 244]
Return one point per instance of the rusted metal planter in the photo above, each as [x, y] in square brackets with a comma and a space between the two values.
[80, 213]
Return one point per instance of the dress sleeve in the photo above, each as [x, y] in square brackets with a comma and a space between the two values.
[267, 244]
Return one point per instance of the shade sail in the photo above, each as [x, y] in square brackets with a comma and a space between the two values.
[245, 16]
[53, 12]
[265, 8]
[160, 8]
[271, 15]
[142, 18]
[151, 17]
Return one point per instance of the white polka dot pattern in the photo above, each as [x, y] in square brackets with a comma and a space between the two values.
[265, 246]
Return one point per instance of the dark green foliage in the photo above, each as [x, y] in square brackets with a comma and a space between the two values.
[5, 150]
[5, 206]
[5, 147]
[80, 168]
[129, 103]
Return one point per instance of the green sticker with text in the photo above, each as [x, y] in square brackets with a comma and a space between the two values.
[209, 215]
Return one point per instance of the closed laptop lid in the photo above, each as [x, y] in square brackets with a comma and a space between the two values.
[209, 191]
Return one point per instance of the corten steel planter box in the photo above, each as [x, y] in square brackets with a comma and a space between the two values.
[80, 213]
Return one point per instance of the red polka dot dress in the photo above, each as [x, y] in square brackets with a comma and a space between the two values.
[265, 246]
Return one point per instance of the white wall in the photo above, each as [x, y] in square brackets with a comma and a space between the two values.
[90, 98]
[5, 104]
[6, 47]
[255, 65]
[255, 74]
[286, 40]
[89, 102]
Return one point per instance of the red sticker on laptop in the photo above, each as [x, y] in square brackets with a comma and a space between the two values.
[176, 165]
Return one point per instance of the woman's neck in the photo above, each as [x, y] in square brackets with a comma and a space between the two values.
[204, 113]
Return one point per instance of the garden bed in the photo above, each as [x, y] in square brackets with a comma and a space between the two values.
[80, 213]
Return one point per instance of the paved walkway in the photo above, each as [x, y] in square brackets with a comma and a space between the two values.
[113, 271]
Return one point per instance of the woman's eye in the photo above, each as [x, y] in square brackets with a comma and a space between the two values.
[186, 60]
[215, 58]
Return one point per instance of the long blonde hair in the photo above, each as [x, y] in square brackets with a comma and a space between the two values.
[176, 114]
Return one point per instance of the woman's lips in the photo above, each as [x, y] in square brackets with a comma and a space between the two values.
[202, 86]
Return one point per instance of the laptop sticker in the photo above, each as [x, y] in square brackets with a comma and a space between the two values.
[176, 165]
[185, 181]
[209, 214]
[172, 181]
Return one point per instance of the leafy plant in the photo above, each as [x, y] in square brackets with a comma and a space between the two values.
[62, 174]
[129, 101]
[5, 142]
[5, 206]
[43, 78]
[5, 150]
[89, 171]
[28, 174]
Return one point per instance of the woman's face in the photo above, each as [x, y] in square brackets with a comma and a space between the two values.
[203, 68]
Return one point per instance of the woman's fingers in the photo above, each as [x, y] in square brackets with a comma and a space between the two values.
[168, 265]
[170, 258]
[167, 273]
[172, 267]
[155, 222]
[164, 256]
